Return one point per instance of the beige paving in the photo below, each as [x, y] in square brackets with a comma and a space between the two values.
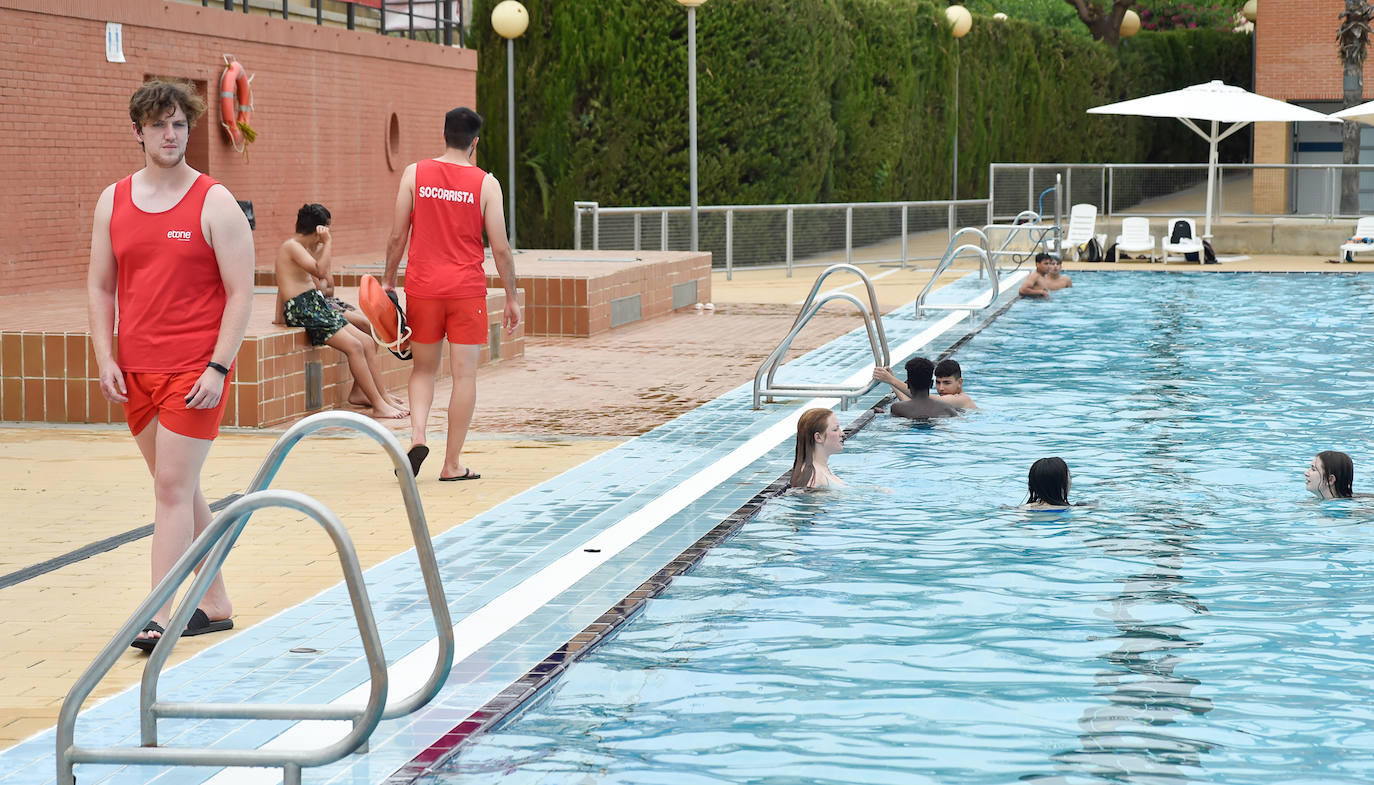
[72, 487]
[567, 400]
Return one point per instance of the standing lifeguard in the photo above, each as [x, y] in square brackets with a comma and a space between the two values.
[173, 248]
[442, 207]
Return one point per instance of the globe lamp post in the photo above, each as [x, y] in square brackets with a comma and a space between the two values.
[510, 19]
[691, 6]
[1130, 24]
[960, 20]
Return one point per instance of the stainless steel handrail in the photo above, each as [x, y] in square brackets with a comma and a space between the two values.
[1040, 235]
[764, 385]
[953, 252]
[212, 547]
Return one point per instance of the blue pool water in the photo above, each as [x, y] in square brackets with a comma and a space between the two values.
[1205, 619]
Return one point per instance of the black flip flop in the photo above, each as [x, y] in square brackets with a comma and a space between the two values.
[200, 624]
[468, 474]
[417, 455]
[148, 644]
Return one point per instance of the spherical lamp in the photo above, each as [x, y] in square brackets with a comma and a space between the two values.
[509, 19]
[1250, 10]
[1130, 24]
[960, 20]
[999, 16]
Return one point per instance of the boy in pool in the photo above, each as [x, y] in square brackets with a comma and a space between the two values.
[1034, 285]
[1055, 279]
[949, 384]
[919, 374]
[301, 261]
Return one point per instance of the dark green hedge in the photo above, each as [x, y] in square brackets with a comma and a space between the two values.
[812, 101]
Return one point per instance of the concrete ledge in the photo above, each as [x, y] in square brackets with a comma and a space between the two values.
[48, 371]
[1281, 236]
[578, 293]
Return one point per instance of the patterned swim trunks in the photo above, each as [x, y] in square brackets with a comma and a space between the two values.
[339, 305]
[309, 310]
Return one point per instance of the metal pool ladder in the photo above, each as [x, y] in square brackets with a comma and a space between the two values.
[764, 385]
[981, 248]
[213, 547]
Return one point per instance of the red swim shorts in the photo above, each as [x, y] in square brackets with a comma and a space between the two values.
[463, 320]
[163, 395]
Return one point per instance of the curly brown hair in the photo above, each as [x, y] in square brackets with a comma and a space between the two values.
[156, 98]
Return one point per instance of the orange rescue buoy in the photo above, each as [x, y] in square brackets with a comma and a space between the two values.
[236, 104]
[388, 320]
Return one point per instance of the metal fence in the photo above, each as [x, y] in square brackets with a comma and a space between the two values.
[1168, 190]
[439, 21]
[783, 235]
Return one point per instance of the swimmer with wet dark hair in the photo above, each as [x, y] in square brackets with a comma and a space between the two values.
[920, 372]
[1048, 485]
[949, 384]
[1035, 283]
[1330, 475]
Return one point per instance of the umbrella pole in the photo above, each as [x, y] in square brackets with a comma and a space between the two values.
[1211, 181]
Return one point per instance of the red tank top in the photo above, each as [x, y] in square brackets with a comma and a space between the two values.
[446, 253]
[171, 298]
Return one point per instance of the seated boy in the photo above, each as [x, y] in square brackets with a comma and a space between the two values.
[301, 261]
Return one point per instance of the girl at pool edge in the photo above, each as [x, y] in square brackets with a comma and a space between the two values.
[1331, 475]
[1048, 485]
[818, 437]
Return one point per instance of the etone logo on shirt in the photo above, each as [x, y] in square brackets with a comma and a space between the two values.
[445, 194]
[179, 234]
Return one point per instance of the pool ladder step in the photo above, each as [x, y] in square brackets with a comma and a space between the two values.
[212, 547]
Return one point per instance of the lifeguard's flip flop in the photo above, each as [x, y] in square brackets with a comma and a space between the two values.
[468, 474]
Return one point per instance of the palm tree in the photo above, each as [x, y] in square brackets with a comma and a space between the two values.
[1352, 40]
[1103, 23]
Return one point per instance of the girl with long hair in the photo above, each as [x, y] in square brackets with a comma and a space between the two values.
[1331, 475]
[818, 437]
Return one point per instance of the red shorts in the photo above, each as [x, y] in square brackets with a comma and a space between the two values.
[163, 395]
[463, 320]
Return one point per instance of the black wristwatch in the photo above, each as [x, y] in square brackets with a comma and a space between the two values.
[217, 367]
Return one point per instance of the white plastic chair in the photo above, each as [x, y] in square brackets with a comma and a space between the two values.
[1363, 228]
[1182, 239]
[1135, 237]
[1082, 227]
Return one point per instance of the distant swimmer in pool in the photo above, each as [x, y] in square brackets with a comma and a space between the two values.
[818, 437]
[1035, 283]
[949, 384]
[1055, 279]
[1048, 485]
[919, 374]
[1331, 475]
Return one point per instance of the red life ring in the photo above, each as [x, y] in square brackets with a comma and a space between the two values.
[235, 101]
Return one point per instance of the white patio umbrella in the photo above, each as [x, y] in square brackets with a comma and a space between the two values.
[1217, 103]
[1363, 113]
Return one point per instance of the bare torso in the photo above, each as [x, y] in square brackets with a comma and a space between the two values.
[292, 278]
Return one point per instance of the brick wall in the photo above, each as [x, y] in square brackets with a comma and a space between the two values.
[323, 98]
[1296, 59]
[1295, 51]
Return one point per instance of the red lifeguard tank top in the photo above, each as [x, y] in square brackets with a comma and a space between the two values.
[446, 253]
[171, 298]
